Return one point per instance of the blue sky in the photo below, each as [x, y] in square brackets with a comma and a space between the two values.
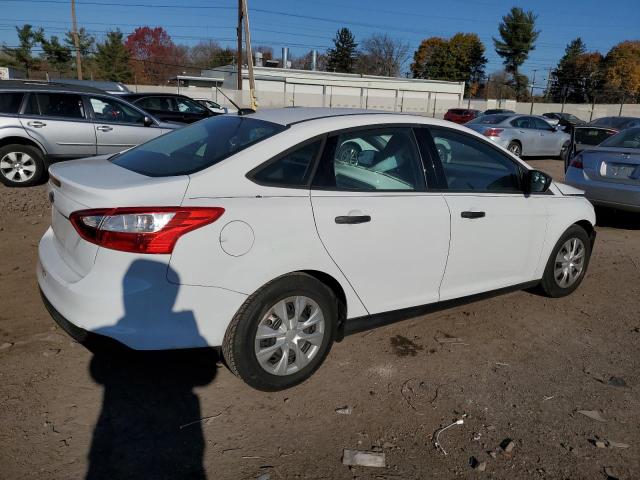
[600, 24]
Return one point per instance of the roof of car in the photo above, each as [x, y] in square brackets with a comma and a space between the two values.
[152, 94]
[293, 115]
[34, 85]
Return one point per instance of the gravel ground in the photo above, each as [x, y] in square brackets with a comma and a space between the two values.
[518, 368]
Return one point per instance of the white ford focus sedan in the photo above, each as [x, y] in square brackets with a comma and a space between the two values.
[272, 234]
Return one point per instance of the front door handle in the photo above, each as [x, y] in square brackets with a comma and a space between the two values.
[472, 214]
[104, 128]
[37, 124]
[351, 219]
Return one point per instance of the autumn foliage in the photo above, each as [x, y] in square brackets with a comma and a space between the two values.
[154, 56]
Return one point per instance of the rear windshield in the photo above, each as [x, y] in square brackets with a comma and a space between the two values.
[489, 119]
[618, 123]
[196, 147]
[10, 102]
[626, 139]
[591, 136]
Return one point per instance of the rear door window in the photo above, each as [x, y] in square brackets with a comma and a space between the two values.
[196, 147]
[64, 105]
[371, 160]
[10, 102]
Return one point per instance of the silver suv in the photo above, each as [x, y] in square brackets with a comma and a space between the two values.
[41, 123]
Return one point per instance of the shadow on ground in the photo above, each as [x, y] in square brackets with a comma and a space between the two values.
[607, 217]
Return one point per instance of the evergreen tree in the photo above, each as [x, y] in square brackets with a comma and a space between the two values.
[343, 56]
[112, 58]
[22, 56]
[517, 39]
[564, 79]
[57, 55]
[85, 41]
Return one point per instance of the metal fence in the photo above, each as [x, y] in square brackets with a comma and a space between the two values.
[435, 106]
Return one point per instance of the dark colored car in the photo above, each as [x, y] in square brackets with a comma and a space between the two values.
[616, 123]
[170, 107]
[461, 115]
[498, 111]
[594, 133]
[567, 120]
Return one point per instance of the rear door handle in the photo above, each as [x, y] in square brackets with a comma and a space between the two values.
[468, 214]
[351, 219]
[37, 124]
[104, 128]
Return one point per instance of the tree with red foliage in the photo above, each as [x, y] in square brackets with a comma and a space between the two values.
[154, 56]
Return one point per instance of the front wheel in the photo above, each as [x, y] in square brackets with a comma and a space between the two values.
[567, 264]
[282, 333]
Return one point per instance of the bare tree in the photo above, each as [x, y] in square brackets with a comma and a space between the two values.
[382, 55]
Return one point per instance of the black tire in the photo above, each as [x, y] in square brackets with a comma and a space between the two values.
[564, 153]
[11, 177]
[549, 284]
[515, 148]
[238, 346]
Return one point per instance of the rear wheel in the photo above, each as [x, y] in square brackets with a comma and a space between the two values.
[282, 333]
[21, 165]
[515, 148]
[568, 263]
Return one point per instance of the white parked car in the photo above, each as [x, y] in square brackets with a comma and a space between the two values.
[272, 234]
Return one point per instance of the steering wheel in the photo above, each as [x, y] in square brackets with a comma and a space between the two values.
[444, 152]
[348, 153]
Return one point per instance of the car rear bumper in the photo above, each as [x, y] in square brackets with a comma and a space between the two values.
[606, 194]
[127, 297]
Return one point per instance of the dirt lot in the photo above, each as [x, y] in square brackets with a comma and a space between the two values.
[519, 367]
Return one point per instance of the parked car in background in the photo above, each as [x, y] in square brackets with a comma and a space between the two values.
[495, 111]
[42, 123]
[187, 241]
[615, 123]
[523, 135]
[461, 115]
[213, 106]
[584, 137]
[609, 173]
[170, 107]
[567, 120]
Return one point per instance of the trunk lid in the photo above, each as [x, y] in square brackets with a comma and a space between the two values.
[617, 165]
[98, 183]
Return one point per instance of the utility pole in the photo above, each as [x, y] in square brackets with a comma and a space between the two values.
[532, 86]
[76, 40]
[252, 80]
[239, 52]
[546, 94]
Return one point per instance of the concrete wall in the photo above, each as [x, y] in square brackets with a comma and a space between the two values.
[275, 94]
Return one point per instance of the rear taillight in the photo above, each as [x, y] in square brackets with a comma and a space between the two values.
[576, 162]
[141, 229]
[492, 132]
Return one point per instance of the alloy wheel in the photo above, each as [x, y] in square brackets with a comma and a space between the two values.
[569, 262]
[289, 335]
[18, 167]
[515, 149]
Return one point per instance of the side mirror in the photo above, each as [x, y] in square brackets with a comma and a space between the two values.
[148, 121]
[536, 181]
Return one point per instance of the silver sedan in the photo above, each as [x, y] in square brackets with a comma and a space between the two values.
[610, 172]
[523, 135]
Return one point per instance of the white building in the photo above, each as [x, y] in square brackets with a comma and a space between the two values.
[289, 87]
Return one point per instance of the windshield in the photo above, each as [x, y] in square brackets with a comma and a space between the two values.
[196, 147]
[489, 119]
[625, 139]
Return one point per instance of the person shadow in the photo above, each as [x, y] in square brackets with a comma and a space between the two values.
[149, 425]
